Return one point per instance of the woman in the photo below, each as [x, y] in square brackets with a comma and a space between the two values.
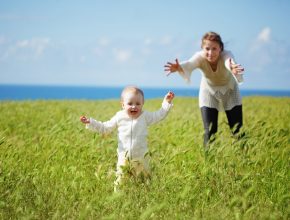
[219, 88]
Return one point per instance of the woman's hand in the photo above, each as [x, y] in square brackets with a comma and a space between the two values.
[172, 67]
[84, 120]
[236, 68]
[169, 96]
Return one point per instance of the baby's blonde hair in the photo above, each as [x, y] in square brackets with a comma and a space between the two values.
[131, 89]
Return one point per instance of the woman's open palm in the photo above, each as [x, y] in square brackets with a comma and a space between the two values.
[172, 67]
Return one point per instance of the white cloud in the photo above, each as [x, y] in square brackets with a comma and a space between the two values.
[259, 52]
[100, 49]
[39, 45]
[261, 40]
[22, 44]
[122, 55]
[24, 49]
[146, 51]
[267, 54]
[166, 40]
[264, 35]
[103, 41]
[148, 41]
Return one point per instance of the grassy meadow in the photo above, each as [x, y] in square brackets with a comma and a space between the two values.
[51, 167]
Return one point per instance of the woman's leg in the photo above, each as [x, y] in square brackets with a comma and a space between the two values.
[210, 121]
[235, 118]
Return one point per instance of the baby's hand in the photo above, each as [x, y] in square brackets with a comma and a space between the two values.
[169, 97]
[84, 120]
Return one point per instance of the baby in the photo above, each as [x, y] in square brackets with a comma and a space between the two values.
[132, 123]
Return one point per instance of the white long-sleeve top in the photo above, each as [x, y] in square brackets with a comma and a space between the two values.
[220, 80]
[132, 133]
[218, 89]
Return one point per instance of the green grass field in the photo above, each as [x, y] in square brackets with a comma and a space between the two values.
[51, 167]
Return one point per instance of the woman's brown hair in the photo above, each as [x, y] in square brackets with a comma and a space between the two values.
[212, 36]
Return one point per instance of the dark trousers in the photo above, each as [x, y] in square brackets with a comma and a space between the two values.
[210, 121]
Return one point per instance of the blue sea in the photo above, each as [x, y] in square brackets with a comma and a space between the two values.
[34, 92]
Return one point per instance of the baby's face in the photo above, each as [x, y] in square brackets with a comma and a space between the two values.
[133, 104]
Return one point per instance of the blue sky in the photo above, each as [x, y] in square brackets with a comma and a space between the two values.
[116, 43]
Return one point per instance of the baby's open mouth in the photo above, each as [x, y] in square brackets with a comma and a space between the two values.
[134, 111]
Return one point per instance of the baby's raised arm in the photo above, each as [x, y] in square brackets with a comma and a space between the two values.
[154, 117]
[98, 126]
[169, 97]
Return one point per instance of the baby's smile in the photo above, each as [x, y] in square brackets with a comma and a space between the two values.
[133, 112]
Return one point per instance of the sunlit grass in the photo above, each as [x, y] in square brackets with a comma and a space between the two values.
[52, 168]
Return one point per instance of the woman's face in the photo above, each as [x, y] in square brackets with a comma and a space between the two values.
[211, 51]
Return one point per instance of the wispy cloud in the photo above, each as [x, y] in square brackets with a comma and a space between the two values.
[166, 40]
[103, 41]
[148, 41]
[263, 38]
[267, 53]
[264, 35]
[259, 55]
[27, 49]
[122, 55]
[36, 45]
[146, 51]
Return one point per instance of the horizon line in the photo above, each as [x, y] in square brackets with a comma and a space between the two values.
[122, 86]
